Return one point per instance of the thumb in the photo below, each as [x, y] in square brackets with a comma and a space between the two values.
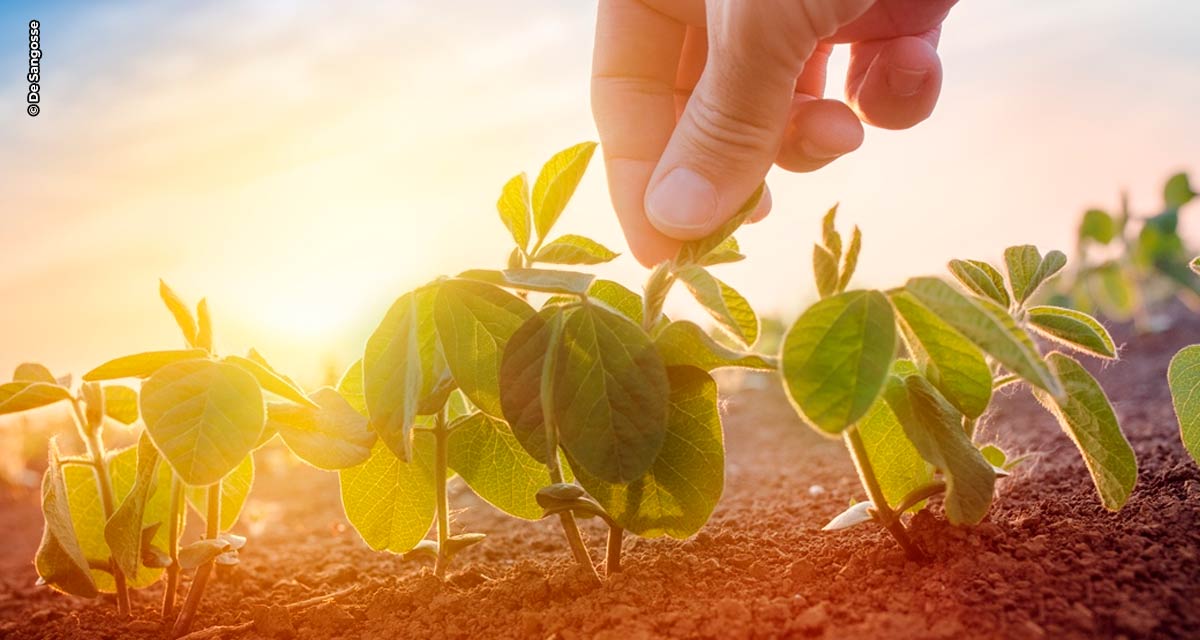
[733, 126]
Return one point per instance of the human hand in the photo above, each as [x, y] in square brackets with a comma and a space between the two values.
[696, 100]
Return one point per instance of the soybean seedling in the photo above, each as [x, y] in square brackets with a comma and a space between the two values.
[1183, 377]
[204, 415]
[87, 550]
[595, 392]
[910, 423]
[1125, 264]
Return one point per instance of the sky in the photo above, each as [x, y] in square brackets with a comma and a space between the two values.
[302, 164]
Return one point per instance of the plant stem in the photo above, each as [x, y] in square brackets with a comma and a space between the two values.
[168, 605]
[441, 464]
[612, 561]
[196, 592]
[95, 447]
[549, 363]
[883, 513]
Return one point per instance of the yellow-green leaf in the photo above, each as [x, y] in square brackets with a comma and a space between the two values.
[474, 321]
[990, 327]
[850, 260]
[1097, 226]
[830, 238]
[1177, 191]
[272, 382]
[350, 387]
[204, 330]
[693, 251]
[982, 279]
[121, 403]
[33, 372]
[1088, 418]
[731, 311]
[389, 502]
[825, 270]
[180, 311]
[515, 210]
[404, 371]
[934, 428]
[203, 416]
[123, 531]
[677, 495]
[1183, 376]
[836, 358]
[724, 253]
[948, 359]
[521, 380]
[898, 466]
[32, 396]
[610, 395]
[334, 436]
[540, 280]
[619, 298]
[1073, 328]
[60, 561]
[488, 457]
[141, 365]
[683, 343]
[574, 249]
[556, 183]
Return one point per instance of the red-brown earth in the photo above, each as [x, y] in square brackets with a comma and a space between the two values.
[1048, 561]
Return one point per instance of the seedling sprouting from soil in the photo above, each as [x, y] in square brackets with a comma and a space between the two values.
[1125, 264]
[1183, 376]
[910, 422]
[593, 404]
[203, 415]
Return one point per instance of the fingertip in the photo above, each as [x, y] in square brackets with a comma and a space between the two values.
[819, 132]
[900, 85]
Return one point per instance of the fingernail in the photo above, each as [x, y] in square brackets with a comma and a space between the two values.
[683, 201]
[905, 82]
[815, 152]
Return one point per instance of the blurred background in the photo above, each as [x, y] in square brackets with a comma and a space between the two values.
[302, 164]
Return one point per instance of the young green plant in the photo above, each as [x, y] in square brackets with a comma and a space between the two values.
[204, 415]
[592, 404]
[910, 422]
[1183, 377]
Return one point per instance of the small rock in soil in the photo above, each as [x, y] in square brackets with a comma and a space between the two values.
[273, 621]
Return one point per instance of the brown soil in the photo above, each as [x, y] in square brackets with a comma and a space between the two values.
[1048, 562]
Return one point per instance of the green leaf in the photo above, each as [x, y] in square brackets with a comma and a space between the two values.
[556, 184]
[989, 326]
[677, 495]
[1194, 265]
[836, 358]
[121, 403]
[898, 466]
[271, 381]
[235, 488]
[204, 332]
[830, 238]
[1088, 418]
[179, 309]
[619, 298]
[1073, 328]
[521, 380]
[731, 311]
[540, 280]
[87, 512]
[994, 455]
[574, 249]
[404, 369]
[123, 531]
[1098, 227]
[683, 343]
[1022, 263]
[1177, 191]
[389, 502]
[947, 359]
[493, 463]
[693, 251]
[203, 416]
[982, 279]
[1113, 289]
[332, 437]
[33, 372]
[32, 396]
[610, 393]
[1183, 376]
[351, 387]
[515, 210]
[935, 429]
[724, 253]
[825, 270]
[850, 260]
[60, 561]
[474, 321]
[141, 365]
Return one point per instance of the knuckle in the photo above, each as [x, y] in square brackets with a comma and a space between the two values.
[724, 128]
